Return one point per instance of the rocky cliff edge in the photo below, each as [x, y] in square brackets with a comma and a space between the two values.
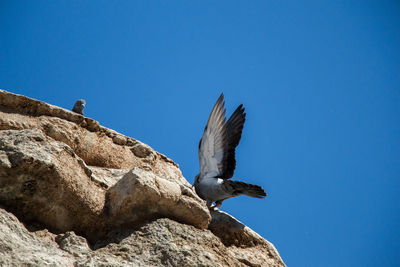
[74, 193]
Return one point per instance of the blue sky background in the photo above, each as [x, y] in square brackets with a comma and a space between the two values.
[319, 79]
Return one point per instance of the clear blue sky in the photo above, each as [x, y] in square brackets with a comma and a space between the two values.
[320, 81]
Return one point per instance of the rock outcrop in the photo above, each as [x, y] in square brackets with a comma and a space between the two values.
[74, 193]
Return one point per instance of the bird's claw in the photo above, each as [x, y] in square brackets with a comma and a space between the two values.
[215, 207]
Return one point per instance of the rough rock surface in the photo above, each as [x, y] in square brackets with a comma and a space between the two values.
[141, 195]
[42, 180]
[90, 196]
[19, 247]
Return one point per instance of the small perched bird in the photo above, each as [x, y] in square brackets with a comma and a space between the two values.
[217, 158]
[79, 106]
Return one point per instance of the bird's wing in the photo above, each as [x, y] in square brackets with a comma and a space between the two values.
[234, 127]
[217, 146]
[213, 142]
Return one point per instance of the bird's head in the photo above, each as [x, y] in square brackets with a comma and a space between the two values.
[81, 103]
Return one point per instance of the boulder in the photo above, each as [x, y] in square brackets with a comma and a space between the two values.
[142, 195]
[42, 180]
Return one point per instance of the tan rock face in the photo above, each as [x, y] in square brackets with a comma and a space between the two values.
[244, 244]
[142, 195]
[63, 172]
[42, 180]
[167, 243]
[19, 247]
[96, 145]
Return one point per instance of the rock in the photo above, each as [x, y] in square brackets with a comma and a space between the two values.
[19, 247]
[245, 245]
[233, 232]
[141, 195]
[119, 140]
[164, 242]
[96, 145]
[44, 234]
[107, 177]
[90, 196]
[75, 200]
[77, 247]
[43, 180]
[73, 244]
[142, 150]
[167, 243]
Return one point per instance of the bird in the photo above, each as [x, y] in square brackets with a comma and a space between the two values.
[79, 106]
[217, 158]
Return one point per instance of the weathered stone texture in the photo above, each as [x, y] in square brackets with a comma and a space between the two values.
[93, 197]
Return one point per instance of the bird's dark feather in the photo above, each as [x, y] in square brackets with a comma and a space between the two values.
[234, 127]
[223, 136]
[237, 188]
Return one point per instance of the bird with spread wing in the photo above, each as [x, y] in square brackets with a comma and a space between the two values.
[217, 158]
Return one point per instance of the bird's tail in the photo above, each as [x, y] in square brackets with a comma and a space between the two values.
[239, 188]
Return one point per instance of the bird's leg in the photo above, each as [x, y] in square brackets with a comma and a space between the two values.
[216, 206]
